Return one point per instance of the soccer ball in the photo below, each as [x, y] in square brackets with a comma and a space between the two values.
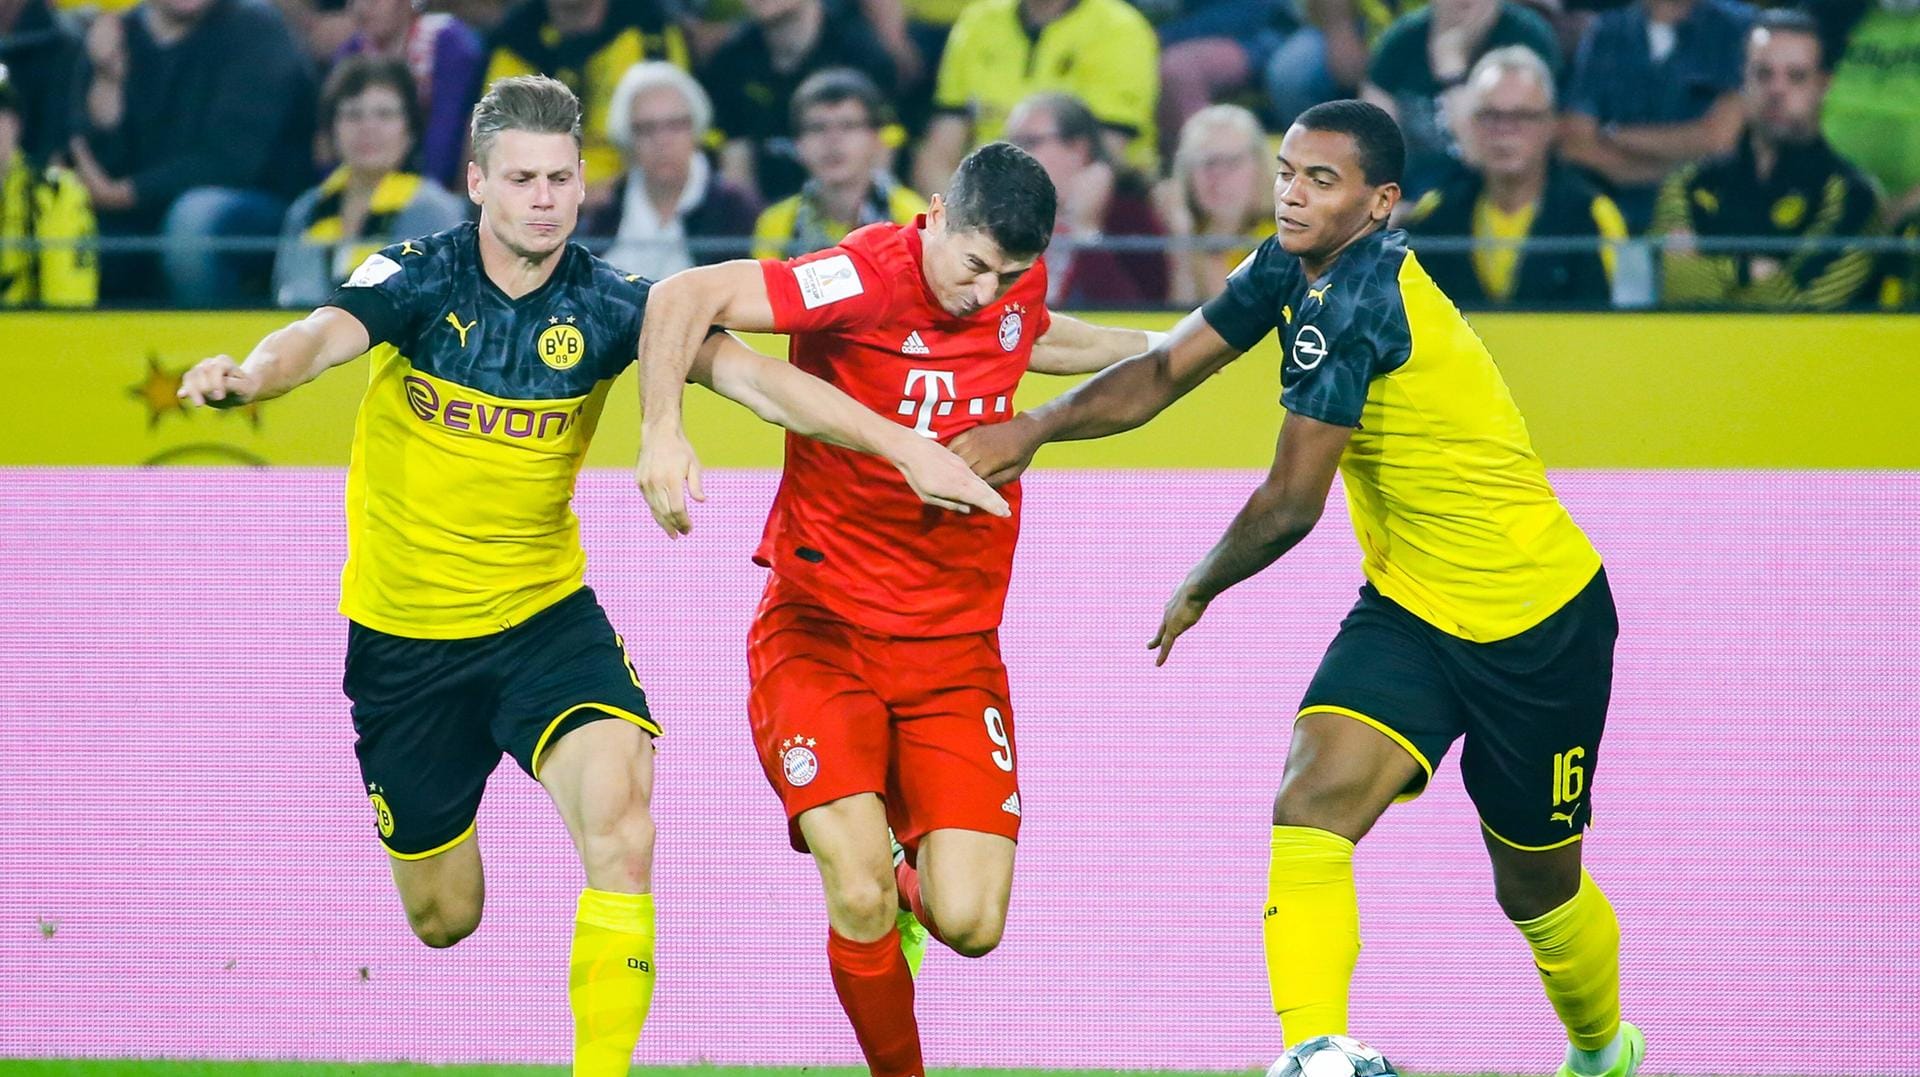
[1332, 1056]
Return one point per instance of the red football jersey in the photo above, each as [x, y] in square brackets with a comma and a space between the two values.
[845, 526]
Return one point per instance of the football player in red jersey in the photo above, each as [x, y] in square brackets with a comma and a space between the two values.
[879, 698]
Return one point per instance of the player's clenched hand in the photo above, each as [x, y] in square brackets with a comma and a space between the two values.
[1183, 611]
[999, 452]
[944, 481]
[667, 470]
[217, 382]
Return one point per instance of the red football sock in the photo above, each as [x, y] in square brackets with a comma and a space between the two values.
[876, 990]
[907, 881]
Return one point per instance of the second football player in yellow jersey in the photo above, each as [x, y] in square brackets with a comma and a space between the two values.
[1485, 613]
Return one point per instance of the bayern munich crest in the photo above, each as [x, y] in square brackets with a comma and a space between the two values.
[1010, 331]
[798, 761]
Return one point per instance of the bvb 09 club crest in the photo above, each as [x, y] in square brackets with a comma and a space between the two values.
[561, 346]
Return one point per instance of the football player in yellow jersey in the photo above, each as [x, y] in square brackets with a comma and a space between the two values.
[470, 629]
[1485, 613]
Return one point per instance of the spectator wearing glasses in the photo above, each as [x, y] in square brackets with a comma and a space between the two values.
[671, 198]
[1508, 190]
[756, 76]
[1097, 199]
[368, 111]
[1783, 181]
[444, 56]
[837, 116]
[1219, 202]
[1425, 56]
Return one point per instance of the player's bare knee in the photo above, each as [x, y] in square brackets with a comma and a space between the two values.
[1535, 886]
[1332, 798]
[974, 937]
[440, 927]
[617, 851]
[863, 906]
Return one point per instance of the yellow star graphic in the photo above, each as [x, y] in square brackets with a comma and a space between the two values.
[157, 391]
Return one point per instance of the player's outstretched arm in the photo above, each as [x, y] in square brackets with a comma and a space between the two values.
[1281, 512]
[1071, 346]
[784, 395]
[680, 311]
[1117, 399]
[283, 360]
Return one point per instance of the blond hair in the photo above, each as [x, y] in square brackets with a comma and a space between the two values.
[533, 103]
[1206, 129]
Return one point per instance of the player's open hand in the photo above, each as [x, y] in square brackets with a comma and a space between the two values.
[943, 480]
[218, 382]
[667, 471]
[999, 452]
[1183, 611]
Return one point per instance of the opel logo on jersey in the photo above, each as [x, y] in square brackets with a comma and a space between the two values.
[1010, 331]
[1309, 347]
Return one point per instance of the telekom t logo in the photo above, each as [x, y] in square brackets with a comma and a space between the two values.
[928, 385]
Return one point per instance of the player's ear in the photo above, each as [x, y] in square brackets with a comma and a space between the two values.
[936, 213]
[474, 175]
[1385, 197]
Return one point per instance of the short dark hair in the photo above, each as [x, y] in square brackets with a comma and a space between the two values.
[1791, 20]
[1001, 190]
[356, 75]
[1383, 153]
[831, 86]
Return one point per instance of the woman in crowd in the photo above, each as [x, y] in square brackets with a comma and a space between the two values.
[1218, 204]
[368, 111]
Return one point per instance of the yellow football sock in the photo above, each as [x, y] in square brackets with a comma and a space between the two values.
[609, 980]
[1577, 950]
[1312, 931]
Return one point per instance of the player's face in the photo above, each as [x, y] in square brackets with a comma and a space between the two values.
[966, 271]
[839, 143]
[1512, 125]
[1321, 198]
[1784, 84]
[529, 192]
[370, 130]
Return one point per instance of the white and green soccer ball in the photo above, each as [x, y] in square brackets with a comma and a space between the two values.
[1332, 1056]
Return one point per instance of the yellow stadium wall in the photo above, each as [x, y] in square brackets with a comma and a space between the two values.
[1598, 390]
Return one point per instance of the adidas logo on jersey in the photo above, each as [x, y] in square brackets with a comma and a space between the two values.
[1011, 805]
[913, 345]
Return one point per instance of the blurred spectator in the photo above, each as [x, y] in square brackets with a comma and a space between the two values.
[589, 45]
[1510, 190]
[1655, 86]
[1426, 55]
[1098, 199]
[838, 114]
[40, 204]
[199, 127]
[1220, 199]
[671, 194]
[755, 74]
[40, 50]
[1900, 272]
[1782, 181]
[1873, 112]
[1103, 52]
[1328, 57]
[368, 110]
[444, 56]
[1213, 49]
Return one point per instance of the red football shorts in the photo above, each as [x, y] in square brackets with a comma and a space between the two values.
[924, 722]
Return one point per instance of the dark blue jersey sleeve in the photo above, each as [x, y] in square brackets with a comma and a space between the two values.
[1250, 307]
[1346, 334]
[385, 292]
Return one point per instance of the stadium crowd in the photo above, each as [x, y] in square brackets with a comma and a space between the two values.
[217, 153]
